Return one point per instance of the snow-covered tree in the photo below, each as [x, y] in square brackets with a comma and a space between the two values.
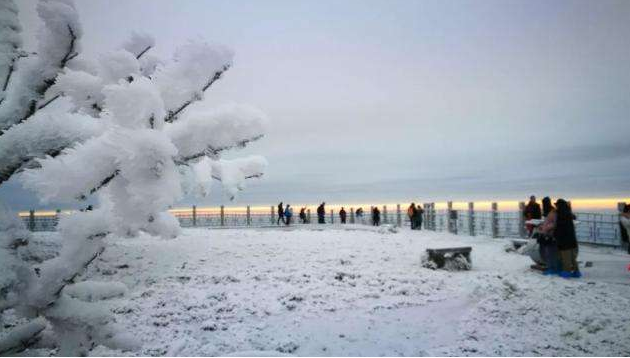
[133, 136]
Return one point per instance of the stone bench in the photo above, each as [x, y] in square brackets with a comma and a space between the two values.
[450, 258]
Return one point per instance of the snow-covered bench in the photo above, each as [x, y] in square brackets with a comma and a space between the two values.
[450, 258]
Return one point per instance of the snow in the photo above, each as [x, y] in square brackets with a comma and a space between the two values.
[138, 43]
[356, 290]
[183, 78]
[60, 24]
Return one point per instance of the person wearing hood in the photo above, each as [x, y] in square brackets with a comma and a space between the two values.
[564, 233]
[342, 215]
[321, 213]
[288, 214]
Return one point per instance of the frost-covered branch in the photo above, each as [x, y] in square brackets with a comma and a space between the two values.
[10, 42]
[58, 43]
[22, 337]
[210, 132]
[173, 115]
[195, 67]
[43, 135]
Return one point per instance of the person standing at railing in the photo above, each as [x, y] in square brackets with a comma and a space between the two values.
[564, 234]
[532, 211]
[303, 215]
[359, 215]
[342, 215]
[376, 216]
[420, 212]
[412, 213]
[280, 214]
[321, 213]
[624, 226]
[288, 214]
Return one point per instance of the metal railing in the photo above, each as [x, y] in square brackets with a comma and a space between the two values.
[593, 228]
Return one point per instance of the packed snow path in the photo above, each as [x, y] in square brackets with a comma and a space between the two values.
[358, 291]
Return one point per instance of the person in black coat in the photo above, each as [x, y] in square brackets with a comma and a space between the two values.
[564, 233]
[280, 214]
[376, 216]
[321, 213]
[342, 215]
[624, 218]
[532, 211]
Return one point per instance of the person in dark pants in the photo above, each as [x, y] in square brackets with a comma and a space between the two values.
[321, 213]
[544, 235]
[564, 233]
[532, 211]
[342, 215]
[412, 213]
[280, 214]
[376, 216]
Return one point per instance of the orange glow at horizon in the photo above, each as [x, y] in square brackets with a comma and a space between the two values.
[577, 204]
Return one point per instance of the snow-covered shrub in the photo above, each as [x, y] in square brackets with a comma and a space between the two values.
[126, 134]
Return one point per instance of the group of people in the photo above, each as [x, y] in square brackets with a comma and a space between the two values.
[415, 216]
[555, 235]
[285, 214]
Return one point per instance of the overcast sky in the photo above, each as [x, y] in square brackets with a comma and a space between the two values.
[399, 100]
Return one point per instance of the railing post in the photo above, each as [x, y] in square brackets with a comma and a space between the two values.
[272, 215]
[31, 220]
[351, 215]
[332, 216]
[521, 219]
[194, 215]
[425, 219]
[222, 215]
[471, 218]
[385, 221]
[398, 216]
[249, 216]
[308, 215]
[495, 220]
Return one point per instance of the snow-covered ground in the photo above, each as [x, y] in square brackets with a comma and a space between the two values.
[357, 290]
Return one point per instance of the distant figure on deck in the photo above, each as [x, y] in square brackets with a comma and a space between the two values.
[564, 233]
[420, 211]
[303, 215]
[624, 226]
[359, 214]
[321, 213]
[412, 213]
[280, 214]
[532, 211]
[376, 216]
[342, 215]
[288, 214]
